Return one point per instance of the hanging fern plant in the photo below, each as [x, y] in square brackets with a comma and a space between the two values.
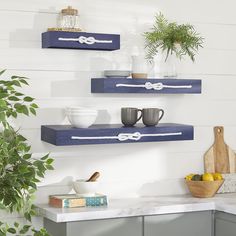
[170, 37]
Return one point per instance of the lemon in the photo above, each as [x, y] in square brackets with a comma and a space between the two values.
[207, 177]
[217, 176]
[189, 177]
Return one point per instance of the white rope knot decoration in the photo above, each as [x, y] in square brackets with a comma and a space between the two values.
[135, 136]
[154, 86]
[127, 136]
[85, 40]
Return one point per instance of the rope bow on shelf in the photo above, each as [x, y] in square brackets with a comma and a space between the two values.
[85, 40]
[126, 136]
[154, 86]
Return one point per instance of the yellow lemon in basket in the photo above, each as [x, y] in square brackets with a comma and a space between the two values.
[217, 176]
[207, 177]
[189, 177]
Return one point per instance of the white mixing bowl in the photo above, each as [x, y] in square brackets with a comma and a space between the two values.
[82, 120]
[82, 187]
[80, 109]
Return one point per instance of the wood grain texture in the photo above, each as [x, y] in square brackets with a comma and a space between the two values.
[123, 8]
[209, 61]
[204, 189]
[220, 151]
[220, 157]
[232, 160]
[93, 177]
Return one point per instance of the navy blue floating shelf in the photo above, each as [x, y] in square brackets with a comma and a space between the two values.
[120, 85]
[62, 135]
[80, 40]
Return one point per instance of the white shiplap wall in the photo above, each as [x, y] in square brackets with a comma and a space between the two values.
[62, 77]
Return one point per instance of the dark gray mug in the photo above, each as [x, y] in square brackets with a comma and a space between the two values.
[129, 116]
[151, 116]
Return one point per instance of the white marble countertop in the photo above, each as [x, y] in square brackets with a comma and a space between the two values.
[142, 206]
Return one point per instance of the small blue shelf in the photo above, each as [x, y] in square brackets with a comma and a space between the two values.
[120, 85]
[80, 40]
[62, 135]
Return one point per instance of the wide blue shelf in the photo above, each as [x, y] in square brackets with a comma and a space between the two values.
[80, 40]
[62, 135]
[120, 85]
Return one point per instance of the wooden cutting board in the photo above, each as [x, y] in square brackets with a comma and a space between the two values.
[220, 157]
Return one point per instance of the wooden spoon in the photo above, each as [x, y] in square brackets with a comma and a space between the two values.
[93, 177]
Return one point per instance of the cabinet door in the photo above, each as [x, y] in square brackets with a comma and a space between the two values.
[112, 227]
[225, 224]
[186, 224]
[225, 228]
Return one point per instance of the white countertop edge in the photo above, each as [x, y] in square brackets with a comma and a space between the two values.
[47, 214]
[99, 215]
[226, 207]
[134, 207]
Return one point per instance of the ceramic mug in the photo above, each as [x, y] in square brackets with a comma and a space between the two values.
[129, 116]
[151, 116]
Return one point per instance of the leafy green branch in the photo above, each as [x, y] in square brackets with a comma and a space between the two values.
[19, 171]
[16, 229]
[171, 37]
[13, 102]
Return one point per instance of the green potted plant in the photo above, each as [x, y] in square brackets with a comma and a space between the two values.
[19, 171]
[170, 38]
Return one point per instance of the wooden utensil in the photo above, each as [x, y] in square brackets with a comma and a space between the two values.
[93, 177]
[220, 157]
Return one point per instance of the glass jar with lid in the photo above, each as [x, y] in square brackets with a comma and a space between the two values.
[68, 18]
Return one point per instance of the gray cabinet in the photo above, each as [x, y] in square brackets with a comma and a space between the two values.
[131, 226]
[186, 224]
[203, 223]
[225, 224]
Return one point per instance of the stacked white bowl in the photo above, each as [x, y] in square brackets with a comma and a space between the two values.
[81, 117]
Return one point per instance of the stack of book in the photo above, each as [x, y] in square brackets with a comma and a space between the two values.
[73, 200]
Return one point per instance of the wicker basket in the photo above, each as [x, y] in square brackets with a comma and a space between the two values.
[204, 189]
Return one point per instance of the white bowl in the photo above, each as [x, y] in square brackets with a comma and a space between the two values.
[73, 113]
[81, 112]
[84, 188]
[79, 109]
[82, 121]
[75, 107]
[68, 111]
